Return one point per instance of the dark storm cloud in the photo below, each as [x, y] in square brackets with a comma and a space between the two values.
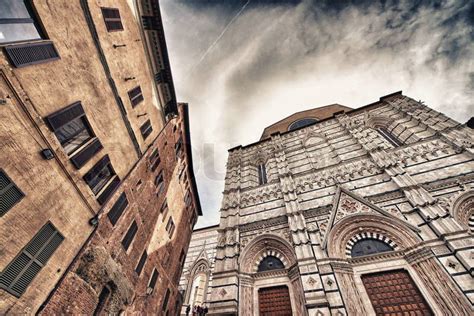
[244, 65]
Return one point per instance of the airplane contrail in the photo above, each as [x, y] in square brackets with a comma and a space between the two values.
[220, 35]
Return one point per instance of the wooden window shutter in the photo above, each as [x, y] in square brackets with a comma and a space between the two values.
[19, 273]
[61, 117]
[112, 19]
[86, 154]
[146, 129]
[23, 55]
[9, 193]
[135, 95]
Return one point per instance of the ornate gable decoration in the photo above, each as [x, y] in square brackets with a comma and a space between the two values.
[347, 203]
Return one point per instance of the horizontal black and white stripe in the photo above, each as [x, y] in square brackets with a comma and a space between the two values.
[369, 235]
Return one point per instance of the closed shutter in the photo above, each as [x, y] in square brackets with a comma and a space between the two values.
[86, 154]
[31, 53]
[135, 96]
[118, 208]
[22, 270]
[63, 116]
[141, 263]
[146, 129]
[109, 190]
[127, 240]
[9, 194]
[112, 19]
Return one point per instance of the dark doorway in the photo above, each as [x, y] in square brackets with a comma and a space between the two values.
[395, 293]
[274, 301]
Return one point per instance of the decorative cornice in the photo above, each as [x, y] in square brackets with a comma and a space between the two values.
[272, 222]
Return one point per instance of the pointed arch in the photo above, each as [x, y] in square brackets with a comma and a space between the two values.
[198, 281]
[399, 234]
[349, 204]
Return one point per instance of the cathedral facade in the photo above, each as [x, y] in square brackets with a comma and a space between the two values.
[339, 211]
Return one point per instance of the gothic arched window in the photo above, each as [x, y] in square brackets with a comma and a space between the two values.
[383, 131]
[262, 174]
[301, 123]
[270, 263]
[369, 246]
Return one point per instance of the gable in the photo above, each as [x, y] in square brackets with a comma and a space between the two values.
[347, 203]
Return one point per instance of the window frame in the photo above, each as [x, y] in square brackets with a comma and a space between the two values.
[129, 235]
[119, 19]
[292, 127]
[369, 240]
[141, 263]
[170, 227]
[35, 20]
[153, 279]
[105, 161]
[77, 110]
[135, 98]
[388, 136]
[117, 210]
[262, 174]
[146, 129]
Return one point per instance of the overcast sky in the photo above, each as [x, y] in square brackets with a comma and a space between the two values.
[243, 65]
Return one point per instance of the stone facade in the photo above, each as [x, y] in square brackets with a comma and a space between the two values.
[196, 280]
[393, 174]
[98, 196]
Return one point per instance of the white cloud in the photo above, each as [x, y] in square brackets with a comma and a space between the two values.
[275, 60]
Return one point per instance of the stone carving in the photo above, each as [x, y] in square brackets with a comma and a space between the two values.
[222, 293]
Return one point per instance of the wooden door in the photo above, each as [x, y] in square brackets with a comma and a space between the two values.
[395, 293]
[274, 301]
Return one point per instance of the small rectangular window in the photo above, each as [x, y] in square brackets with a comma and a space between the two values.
[165, 300]
[9, 193]
[135, 95]
[99, 175]
[127, 240]
[262, 174]
[146, 129]
[178, 147]
[155, 159]
[141, 263]
[17, 22]
[153, 279]
[19, 273]
[112, 19]
[164, 209]
[71, 127]
[170, 227]
[118, 208]
[159, 182]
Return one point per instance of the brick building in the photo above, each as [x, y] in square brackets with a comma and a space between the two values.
[339, 211]
[97, 192]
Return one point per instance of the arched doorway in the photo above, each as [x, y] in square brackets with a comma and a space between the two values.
[270, 283]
